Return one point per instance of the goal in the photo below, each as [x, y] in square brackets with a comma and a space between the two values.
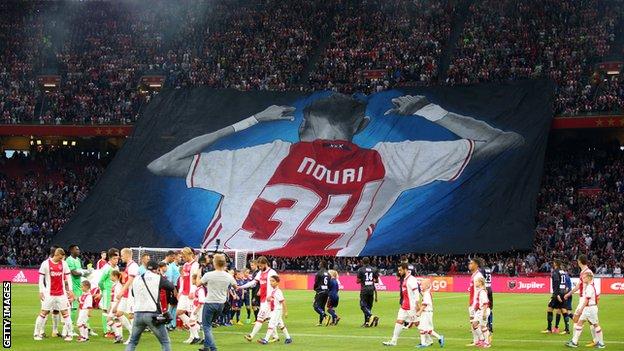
[238, 257]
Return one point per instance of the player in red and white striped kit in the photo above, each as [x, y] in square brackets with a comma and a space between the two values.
[409, 307]
[186, 295]
[588, 311]
[580, 287]
[55, 290]
[85, 304]
[473, 267]
[323, 195]
[481, 308]
[262, 277]
[124, 308]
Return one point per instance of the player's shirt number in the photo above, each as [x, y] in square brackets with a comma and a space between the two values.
[309, 213]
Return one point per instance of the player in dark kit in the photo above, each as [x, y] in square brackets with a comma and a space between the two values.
[565, 285]
[567, 304]
[556, 303]
[487, 274]
[321, 287]
[367, 277]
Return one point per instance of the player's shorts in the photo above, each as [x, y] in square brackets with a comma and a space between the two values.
[332, 302]
[185, 304]
[490, 295]
[83, 317]
[276, 319]
[367, 297]
[567, 304]
[246, 301]
[114, 304]
[554, 303]
[320, 300]
[264, 312]
[198, 311]
[255, 299]
[481, 317]
[426, 321]
[59, 303]
[590, 313]
[238, 303]
[404, 315]
[126, 305]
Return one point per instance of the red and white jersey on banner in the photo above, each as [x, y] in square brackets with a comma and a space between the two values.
[409, 292]
[480, 300]
[186, 285]
[277, 299]
[262, 277]
[581, 284]
[316, 198]
[591, 295]
[473, 282]
[427, 301]
[85, 301]
[54, 277]
[132, 270]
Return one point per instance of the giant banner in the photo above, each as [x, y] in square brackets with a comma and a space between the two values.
[446, 170]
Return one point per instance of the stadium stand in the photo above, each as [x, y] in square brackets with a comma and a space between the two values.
[38, 194]
[349, 46]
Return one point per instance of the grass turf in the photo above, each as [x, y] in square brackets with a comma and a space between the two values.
[518, 320]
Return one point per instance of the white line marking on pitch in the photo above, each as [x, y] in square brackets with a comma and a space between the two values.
[496, 339]
[305, 335]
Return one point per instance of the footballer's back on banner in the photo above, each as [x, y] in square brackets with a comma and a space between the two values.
[447, 170]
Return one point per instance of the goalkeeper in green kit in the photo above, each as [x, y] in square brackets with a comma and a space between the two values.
[77, 272]
[106, 285]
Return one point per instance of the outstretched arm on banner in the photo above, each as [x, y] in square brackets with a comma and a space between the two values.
[488, 140]
[177, 162]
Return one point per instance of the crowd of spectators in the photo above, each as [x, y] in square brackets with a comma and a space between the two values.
[257, 45]
[20, 46]
[101, 49]
[377, 44]
[39, 192]
[561, 40]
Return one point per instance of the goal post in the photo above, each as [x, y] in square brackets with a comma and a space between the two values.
[239, 258]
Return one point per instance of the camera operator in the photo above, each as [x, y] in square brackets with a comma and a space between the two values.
[147, 310]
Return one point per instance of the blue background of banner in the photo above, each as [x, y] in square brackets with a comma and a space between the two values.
[423, 212]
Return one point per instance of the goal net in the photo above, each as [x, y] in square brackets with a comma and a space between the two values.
[239, 258]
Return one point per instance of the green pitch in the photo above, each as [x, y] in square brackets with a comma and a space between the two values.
[518, 320]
